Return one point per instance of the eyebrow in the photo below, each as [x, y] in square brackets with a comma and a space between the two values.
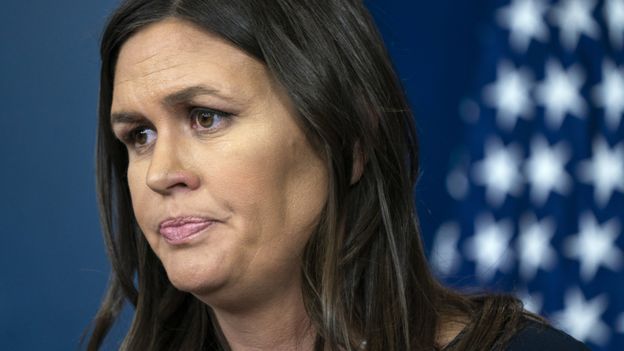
[189, 93]
[182, 96]
[124, 118]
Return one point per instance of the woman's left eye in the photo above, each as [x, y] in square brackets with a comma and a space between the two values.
[207, 119]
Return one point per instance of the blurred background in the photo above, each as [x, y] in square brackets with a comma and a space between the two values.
[519, 110]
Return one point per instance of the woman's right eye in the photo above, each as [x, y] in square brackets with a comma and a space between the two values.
[140, 137]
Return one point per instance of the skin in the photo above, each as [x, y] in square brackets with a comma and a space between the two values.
[253, 172]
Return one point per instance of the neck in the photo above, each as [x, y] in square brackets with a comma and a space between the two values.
[276, 325]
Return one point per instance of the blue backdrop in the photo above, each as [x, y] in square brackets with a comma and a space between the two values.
[495, 85]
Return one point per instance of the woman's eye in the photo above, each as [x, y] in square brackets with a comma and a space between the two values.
[141, 136]
[207, 119]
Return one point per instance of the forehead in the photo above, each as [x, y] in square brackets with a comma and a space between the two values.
[173, 54]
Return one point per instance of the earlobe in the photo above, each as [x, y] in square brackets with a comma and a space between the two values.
[359, 160]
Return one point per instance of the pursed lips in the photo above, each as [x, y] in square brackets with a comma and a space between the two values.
[180, 229]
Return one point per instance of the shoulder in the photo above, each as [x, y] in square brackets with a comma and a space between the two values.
[537, 336]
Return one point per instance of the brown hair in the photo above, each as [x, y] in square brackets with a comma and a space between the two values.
[365, 274]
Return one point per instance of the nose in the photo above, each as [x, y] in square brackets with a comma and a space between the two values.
[167, 171]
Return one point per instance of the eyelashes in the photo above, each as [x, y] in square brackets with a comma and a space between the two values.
[139, 136]
[201, 119]
[207, 119]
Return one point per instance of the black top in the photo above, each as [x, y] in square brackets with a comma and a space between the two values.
[535, 336]
[539, 337]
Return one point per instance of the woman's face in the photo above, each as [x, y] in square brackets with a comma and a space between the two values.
[224, 184]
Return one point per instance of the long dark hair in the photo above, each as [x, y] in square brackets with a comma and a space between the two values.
[365, 275]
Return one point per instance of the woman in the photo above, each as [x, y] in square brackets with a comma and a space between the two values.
[256, 161]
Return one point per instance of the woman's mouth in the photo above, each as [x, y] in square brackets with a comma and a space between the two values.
[180, 230]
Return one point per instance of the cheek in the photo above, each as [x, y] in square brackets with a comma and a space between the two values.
[133, 184]
[249, 180]
[139, 193]
[275, 184]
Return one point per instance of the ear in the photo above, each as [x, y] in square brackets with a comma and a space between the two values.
[359, 160]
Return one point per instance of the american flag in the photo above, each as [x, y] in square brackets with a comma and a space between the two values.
[538, 181]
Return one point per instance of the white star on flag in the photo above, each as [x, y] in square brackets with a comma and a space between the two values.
[531, 302]
[574, 18]
[609, 94]
[510, 95]
[560, 93]
[594, 246]
[534, 249]
[582, 318]
[613, 11]
[489, 247]
[457, 184]
[525, 20]
[445, 257]
[545, 169]
[605, 170]
[499, 171]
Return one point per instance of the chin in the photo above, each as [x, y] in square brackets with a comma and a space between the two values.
[193, 279]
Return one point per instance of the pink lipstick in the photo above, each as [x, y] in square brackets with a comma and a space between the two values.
[177, 231]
